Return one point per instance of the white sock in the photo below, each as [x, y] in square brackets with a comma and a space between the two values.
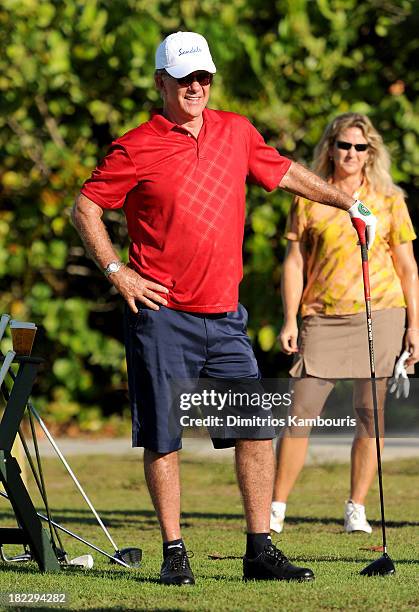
[278, 506]
[354, 504]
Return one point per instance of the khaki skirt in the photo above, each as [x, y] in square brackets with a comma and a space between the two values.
[337, 346]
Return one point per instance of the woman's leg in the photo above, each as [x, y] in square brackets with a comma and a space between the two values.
[363, 454]
[309, 397]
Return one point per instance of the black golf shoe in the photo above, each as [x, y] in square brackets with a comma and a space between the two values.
[272, 564]
[176, 570]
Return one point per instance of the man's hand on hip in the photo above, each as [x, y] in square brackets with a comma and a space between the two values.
[134, 287]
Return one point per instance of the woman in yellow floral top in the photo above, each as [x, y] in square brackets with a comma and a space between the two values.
[322, 278]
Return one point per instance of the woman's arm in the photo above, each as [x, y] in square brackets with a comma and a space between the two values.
[407, 270]
[292, 285]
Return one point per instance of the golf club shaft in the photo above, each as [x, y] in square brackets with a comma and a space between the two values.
[8, 359]
[39, 480]
[4, 321]
[64, 461]
[76, 482]
[41, 486]
[75, 536]
[38, 483]
[41, 476]
[367, 295]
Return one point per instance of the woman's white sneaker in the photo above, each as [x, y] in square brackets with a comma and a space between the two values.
[277, 516]
[355, 519]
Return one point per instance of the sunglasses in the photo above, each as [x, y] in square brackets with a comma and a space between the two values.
[346, 146]
[203, 78]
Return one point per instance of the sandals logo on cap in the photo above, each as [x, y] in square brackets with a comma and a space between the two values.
[363, 210]
[192, 50]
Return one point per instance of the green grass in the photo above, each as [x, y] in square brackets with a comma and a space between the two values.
[213, 526]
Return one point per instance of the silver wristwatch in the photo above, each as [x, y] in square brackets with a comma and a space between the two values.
[113, 267]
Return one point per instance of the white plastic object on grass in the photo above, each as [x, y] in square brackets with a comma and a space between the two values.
[85, 561]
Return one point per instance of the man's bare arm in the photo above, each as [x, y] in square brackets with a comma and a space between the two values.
[87, 218]
[303, 182]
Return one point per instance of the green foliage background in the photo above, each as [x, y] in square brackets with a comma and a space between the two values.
[75, 74]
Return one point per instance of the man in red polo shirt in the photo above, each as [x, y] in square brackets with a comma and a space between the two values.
[180, 178]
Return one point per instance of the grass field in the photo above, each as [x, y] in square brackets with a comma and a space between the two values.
[213, 529]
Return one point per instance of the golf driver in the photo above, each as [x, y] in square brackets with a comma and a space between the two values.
[383, 566]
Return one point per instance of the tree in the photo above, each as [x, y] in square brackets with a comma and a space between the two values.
[75, 75]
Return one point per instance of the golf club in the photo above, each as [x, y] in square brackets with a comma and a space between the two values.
[4, 321]
[8, 359]
[39, 479]
[383, 566]
[77, 537]
[22, 558]
[129, 556]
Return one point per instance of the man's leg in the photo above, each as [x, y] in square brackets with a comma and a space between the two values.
[255, 475]
[163, 348]
[162, 477]
[231, 358]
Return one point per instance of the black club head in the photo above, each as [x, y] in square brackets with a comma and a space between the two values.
[383, 566]
[130, 555]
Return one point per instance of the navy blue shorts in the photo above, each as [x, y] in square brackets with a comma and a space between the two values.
[169, 345]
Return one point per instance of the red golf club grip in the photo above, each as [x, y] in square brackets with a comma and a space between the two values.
[360, 228]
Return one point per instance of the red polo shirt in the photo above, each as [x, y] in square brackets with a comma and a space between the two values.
[184, 200]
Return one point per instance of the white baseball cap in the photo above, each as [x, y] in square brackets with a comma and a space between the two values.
[184, 52]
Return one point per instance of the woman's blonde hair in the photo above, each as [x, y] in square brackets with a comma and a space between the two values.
[377, 166]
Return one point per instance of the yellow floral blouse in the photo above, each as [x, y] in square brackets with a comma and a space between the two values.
[332, 257]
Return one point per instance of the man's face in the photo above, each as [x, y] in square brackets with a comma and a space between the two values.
[184, 100]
